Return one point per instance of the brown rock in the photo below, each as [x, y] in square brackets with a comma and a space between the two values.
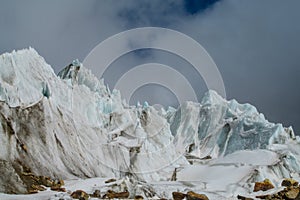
[266, 196]
[120, 195]
[32, 191]
[24, 147]
[38, 187]
[110, 180]
[293, 193]
[80, 194]
[58, 188]
[243, 198]
[289, 182]
[206, 157]
[264, 186]
[26, 169]
[195, 196]
[46, 181]
[96, 194]
[138, 197]
[59, 182]
[178, 195]
[27, 174]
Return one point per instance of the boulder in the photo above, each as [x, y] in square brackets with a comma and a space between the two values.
[292, 194]
[96, 194]
[263, 186]
[138, 197]
[58, 189]
[120, 195]
[195, 196]
[80, 194]
[289, 182]
[178, 195]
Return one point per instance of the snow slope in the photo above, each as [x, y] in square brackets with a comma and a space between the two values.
[72, 126]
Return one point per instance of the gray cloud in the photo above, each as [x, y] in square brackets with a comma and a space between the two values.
[254, 43]
[256, 46]
[59, 30]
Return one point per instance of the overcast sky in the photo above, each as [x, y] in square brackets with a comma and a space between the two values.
[255, 44]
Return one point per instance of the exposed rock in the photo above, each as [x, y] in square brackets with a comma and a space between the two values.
[289, 193]
[96, 194]
[32, 191]
[34, 183]
[110, 180]
[80, 194]
[58, 189]
[38, 187]
[10, 181]
[243, 198]
[263, 186]
[178, 195]
[59, 182]
[206, 157]
[46, 181]
[266, 196]
[138, 197]
[289, 182]
[195, 196]
[24, 147]
[111, 195]
[174, 175]
[293, 193]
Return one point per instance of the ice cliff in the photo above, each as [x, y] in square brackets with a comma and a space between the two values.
[216, 127]
[71, 125]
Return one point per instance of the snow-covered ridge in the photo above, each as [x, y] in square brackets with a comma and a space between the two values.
[72, 126]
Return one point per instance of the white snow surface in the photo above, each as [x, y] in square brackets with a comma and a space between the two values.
[76, 129]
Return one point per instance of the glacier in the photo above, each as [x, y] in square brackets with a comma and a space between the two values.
[223, 127]
[71, 126]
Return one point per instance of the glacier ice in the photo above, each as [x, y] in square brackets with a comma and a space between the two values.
[77, 128]
[217, 127]
[73, 126]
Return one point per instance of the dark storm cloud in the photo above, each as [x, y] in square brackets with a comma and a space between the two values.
[254, 43]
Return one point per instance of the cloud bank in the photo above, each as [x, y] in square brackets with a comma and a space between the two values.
[255, 44]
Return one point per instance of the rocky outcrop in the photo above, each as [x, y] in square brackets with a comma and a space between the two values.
[195, 196]
[10, 181]
[80, 194]
[178, 195]
[290, 192]
[288, 182]
[263, 186]
[36, 183]
[116, 195]
[96, 194]
[189, 196]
